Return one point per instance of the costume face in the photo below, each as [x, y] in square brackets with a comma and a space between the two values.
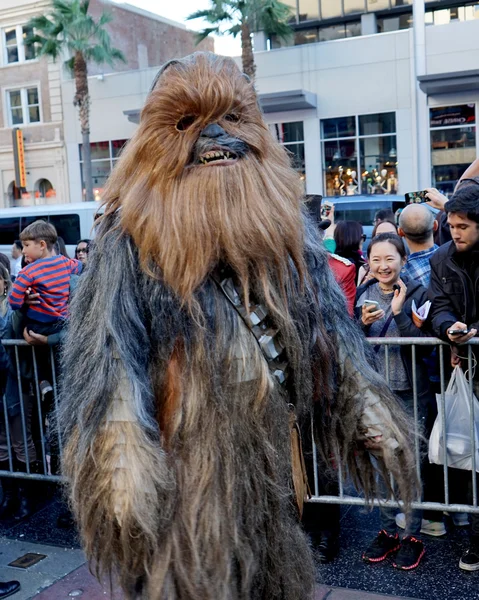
[203, 181]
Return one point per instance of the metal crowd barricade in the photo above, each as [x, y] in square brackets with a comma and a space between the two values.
[344, 498]
[44, 422]
[35, 406]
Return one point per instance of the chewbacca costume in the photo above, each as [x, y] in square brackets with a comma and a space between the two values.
[177, 432]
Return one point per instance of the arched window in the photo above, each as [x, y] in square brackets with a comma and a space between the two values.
[14, 194]
[43, 188]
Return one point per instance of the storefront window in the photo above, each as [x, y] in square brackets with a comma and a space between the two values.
[453, 143]
[291, 136]
[308, 9]
[363, 157]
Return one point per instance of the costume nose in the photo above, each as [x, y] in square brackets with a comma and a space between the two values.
[213, 130]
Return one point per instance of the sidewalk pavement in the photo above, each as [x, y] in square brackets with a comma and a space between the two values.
[62, 574]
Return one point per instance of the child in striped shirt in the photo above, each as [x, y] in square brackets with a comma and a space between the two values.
[47, 275]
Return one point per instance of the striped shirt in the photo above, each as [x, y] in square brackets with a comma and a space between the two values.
[49, 277]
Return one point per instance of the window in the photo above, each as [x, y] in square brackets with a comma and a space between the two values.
[453, 143]
[359, 155]
[330, 8]
[9, 229]
[458, 13]
[291, 136]
[67, 226]
[23, 106]
[374, 5]
[353, 6]
[308, 9]
[103, 158]
[395, 23]
[15, 49]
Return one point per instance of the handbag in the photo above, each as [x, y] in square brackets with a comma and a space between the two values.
[457, 412]
[273, 351]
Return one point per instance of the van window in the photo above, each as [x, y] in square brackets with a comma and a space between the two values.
[357, 211]
[67, 226]
[9, 230]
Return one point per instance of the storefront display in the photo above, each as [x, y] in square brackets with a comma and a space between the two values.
[364, 145]
[453, 143]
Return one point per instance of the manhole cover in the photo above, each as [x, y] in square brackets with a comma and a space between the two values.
[27, 560]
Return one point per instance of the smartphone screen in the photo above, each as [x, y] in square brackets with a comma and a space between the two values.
[416, 197]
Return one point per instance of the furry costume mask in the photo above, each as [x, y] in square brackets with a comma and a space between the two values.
[219, 187]
[177, 437]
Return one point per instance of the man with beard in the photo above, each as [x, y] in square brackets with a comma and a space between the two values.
[453, 291]
[207, 314]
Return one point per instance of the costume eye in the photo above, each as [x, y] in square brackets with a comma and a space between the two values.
[185, 122]
[232, 118]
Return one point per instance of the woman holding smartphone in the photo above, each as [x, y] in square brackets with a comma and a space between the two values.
[384, 309]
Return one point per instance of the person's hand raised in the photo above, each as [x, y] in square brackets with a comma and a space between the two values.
[399, 298]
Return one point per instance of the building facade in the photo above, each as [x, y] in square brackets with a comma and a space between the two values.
[386, 110]
[37, 95]
[30, 100]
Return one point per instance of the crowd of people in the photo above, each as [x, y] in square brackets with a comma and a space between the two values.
[413, 258]
[35, 288]
[428, 253]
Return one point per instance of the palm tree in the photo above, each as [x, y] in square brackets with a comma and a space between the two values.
[69, 30]
[233, 17]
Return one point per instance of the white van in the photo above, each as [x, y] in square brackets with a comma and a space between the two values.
[73, 222]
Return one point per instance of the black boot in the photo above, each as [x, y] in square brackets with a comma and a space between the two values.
[26, 491]
[7, 588]
[10, 495]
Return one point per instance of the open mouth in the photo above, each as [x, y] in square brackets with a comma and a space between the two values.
[216, 156]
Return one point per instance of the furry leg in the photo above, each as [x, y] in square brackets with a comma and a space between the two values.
[118, 490]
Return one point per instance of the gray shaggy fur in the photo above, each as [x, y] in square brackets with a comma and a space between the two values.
[213, 514]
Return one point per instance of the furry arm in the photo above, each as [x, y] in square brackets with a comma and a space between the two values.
[107, 415]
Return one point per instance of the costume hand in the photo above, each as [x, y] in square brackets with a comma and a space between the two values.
[435, 198]
[399, 298]
[461, 339]
[34, 339]
[370, 314]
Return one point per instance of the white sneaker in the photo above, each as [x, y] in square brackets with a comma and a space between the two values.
[434, 528]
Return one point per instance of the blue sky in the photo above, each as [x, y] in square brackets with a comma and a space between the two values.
[178, 10]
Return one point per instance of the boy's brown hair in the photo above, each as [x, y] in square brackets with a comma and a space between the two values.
[40, 230]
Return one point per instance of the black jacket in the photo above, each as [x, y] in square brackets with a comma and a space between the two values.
[452, 291]
[418, 293]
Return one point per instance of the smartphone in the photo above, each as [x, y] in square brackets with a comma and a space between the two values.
[458, 331]
[416, 197]
[371, 303]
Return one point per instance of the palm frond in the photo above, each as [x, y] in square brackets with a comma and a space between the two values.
[202, 35]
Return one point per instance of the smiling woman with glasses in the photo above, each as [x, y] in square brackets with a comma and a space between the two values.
[81, 251]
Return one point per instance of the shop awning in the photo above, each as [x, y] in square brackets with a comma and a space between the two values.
[275, 102]
[286, 101]
[444, 83]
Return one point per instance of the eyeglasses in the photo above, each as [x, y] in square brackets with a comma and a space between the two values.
[82, 250]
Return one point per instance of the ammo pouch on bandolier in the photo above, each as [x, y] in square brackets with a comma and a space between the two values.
[256, 319]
